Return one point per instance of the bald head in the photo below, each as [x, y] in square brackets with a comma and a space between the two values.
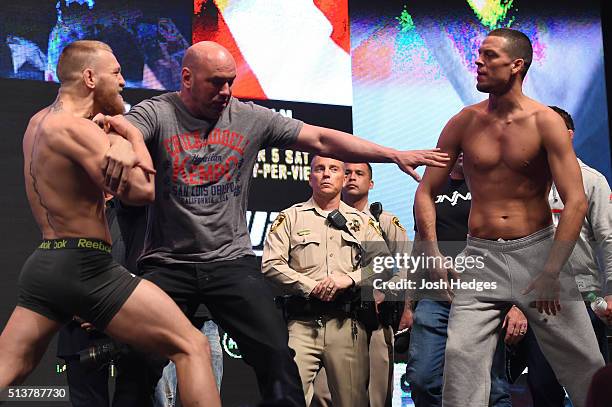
[207, 76]
[207, 54]
[78, 56]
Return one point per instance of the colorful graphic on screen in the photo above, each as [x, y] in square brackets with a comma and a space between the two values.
[294, 50]
[148, 39]
[413, 69]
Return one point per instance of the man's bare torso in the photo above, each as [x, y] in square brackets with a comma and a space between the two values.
[64, 200]
[507, 170]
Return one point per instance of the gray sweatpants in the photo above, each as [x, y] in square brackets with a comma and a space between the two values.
[567, 339]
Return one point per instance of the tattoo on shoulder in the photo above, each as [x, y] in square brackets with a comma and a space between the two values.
[56, 106]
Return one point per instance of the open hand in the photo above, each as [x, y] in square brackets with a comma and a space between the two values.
[411, 159]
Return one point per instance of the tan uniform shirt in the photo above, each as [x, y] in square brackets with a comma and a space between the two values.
[302, 248]
[395, 234]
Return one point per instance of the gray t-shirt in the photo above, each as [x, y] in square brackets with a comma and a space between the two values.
[204, 171]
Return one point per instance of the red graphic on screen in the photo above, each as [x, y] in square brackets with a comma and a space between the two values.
[284, 50]
[208, 28]
[337, 14]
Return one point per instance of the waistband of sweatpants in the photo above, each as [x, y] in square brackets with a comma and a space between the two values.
[514, 244]
[75, 243]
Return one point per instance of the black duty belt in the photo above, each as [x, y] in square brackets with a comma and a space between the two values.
[300, 307]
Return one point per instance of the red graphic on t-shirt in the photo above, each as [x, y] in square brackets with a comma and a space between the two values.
[190, 169]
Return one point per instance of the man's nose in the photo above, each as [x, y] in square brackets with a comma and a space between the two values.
[225, 90]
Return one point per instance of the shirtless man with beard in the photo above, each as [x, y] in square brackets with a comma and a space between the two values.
[513, 148]
[69, 164]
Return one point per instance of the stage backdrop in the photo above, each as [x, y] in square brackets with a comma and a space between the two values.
[392, 71]
[413, 69]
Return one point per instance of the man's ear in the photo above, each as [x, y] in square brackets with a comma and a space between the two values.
[89, 78]
[186, 77]
[518, 65]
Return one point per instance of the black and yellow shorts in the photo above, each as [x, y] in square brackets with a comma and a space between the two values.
[75, 276]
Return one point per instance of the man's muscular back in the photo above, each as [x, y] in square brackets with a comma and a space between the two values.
[507, 170]
[64, 180]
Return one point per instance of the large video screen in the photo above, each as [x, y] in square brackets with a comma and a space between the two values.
[294, 50]
[413, 69]
[149, 38]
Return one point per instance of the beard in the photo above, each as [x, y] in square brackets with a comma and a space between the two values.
[481, 87]
[109, 102]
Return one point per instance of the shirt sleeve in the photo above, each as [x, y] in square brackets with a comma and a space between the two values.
[374, 247]
[144, 117]
[280, 131]
[599, 216]
[396, 236]
[275, 260]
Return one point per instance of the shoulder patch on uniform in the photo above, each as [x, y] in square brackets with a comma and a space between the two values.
[278, 221]
[397, 223]
[354, 225]
[376, 226]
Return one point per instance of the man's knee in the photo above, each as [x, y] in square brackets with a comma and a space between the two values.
[192, 344]
[19, 364]
[455, 350]
[198, 343]
[424, 381]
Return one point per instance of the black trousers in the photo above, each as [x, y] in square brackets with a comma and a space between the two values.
[241, 302]
[88, 385]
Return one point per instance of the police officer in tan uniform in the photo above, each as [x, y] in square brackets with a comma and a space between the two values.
[358, 183]
[319, 264]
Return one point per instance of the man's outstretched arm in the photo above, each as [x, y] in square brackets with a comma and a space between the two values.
[349, 148]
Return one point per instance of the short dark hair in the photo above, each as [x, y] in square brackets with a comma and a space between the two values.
[370, 169]
[567, 118]
[519, 45]
[368, 164]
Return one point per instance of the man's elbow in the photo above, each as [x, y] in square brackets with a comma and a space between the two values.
[422, 195]
[578, 205]
[311, 139]
[144, 195]
[147, 194]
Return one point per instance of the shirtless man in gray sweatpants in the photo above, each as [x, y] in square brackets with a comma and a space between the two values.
[513, 147]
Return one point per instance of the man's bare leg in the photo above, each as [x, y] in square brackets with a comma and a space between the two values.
[23, 342]
[149, 319]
